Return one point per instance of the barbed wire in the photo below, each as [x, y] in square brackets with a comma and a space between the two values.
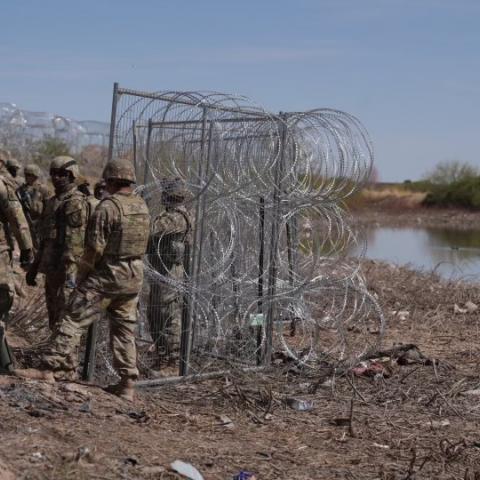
[19, 128]
[271, 234]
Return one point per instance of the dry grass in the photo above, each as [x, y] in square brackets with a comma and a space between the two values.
[392, 197]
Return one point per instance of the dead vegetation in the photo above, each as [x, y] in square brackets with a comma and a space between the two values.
[392, 198]
[417, 419]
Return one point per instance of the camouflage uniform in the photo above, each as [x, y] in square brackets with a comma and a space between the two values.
[13, 225]
[110, 279]
[62, 234]
[166, 255]
[34, 199]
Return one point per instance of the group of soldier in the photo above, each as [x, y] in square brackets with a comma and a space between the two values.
[90, 249]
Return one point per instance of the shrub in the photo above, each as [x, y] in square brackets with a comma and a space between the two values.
[451, 171]
[462, 193]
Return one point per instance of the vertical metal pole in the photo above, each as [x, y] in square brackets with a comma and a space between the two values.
[113, 120]
[90, 352]
[276, 217]
[205, 172]
[186, 319]
[289, 232]
[261, 273]
[134, 132]
[147, 152]
[189, 317]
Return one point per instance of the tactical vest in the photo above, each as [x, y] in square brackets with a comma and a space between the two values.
[54, 221]
[130, 236]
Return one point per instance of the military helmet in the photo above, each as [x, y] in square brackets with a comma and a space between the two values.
[119, 169]
[32, 169]
[13, 163]
[4, 155]
[65, 162]
[173, 189]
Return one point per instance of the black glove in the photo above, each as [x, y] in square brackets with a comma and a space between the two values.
[31, 276]
[26, 258]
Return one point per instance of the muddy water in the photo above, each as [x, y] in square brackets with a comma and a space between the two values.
[453, 253]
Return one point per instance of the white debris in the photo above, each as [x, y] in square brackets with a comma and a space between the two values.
[403, 314]
[472, 393]
[186, 469]
[457, 309]
[226, 421]
[471, 307]
[438, 424]
[379, 445]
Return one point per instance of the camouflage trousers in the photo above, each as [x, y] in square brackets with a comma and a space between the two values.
[6, 283]
[56, 296]
[85, 306]
[165, 318]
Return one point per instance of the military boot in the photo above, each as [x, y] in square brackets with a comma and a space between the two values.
[35, 374]
[125, 389]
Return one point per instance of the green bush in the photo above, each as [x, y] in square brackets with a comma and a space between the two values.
[462, 193]
[451, 171]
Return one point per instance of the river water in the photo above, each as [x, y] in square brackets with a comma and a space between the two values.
[452, 253]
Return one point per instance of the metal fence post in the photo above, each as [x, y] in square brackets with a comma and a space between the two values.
[261, 273]
[90, 352]
[276, 217]
[147, 153]
[113, 120]
[188, 318]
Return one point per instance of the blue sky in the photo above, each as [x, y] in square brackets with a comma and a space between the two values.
[409, 69]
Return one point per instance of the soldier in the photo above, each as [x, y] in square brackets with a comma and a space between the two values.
[110, 278]
[13, 223]
[13, 166]
[33, 196]
[62, 238]
[166, 254]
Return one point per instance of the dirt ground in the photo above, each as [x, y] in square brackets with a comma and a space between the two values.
[419, 420]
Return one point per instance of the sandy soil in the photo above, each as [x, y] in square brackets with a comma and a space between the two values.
[422, 422]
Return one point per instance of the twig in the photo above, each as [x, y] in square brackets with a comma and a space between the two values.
[355, 390]
[411, 469]
[449, 404]
[350, 422]
[434, 363]
[408, 374]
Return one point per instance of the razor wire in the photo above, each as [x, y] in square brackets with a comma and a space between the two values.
[20, 128]
[271, 266]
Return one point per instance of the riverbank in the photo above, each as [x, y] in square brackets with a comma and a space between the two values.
[375, 216]
[420, 419]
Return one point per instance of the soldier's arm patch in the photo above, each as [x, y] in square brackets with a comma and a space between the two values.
[74, 213]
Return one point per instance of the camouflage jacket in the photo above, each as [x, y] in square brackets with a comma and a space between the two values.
[171, 232]
[174, 220]
[13, 222]
[116, 241]
[62, 232]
